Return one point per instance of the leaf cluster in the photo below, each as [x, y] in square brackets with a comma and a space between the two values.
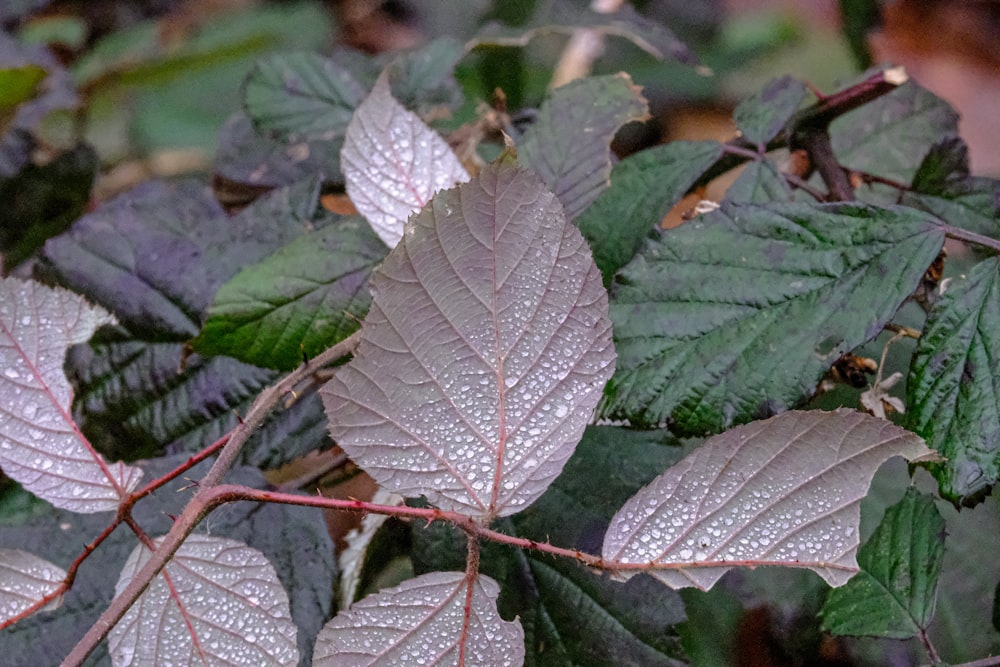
[513, 345]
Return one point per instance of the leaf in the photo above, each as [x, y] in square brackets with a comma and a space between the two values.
[216, 600]
[393, 163]
[563, 17]
[738, 314]
[944, 187]
[107, 255]
[40, 445]
[571, 614]
[423, 79]
[247, 163]
[569, 144]
[294, 539]
[18, 85]
[25, 579]
[644, 187]
[763, 115]
[952, 389]
[131, 395]
[759, 183]
[422, 621]
[42, 201]
[783, 491]
[483, 354]
[894, 594]
[890, 135]
[296, 303]
[301, 96]
[17, 134]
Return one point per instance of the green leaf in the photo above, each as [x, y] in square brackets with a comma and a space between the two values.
[19, 84]
[569, 144]
[155, 257]
[424, 79]
[952, 392]
[891, 135]
[763, 115]
[294, 539]
[894, 594]
[570, 615]
[299, 301]
[709, 635]
[644, 187]
[944, 187]
[300, 96]
[759, 183]
[737, 314]
[565, 17]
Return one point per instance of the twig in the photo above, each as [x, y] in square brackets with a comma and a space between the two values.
[816, 142]
[232, 492]
[201, 503]
[929, 647]
[965, 235]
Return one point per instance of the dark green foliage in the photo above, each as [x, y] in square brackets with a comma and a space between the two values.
[952, 390]
[643, 189]
[895, 592]
[736, 315]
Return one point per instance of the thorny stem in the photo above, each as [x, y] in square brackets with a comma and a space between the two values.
[200, 504]
[810, 121]
[231, 492]
[123, 515]
[929, 647]
[471, 573]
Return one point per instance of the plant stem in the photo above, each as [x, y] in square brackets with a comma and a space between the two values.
[471, 574]
[966, 236]
[813, 119]
[202, 502]
[231, 492]
[929, 647]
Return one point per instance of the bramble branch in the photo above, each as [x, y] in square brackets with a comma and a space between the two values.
[199, 505]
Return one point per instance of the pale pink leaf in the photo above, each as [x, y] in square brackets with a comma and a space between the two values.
[24, 580]
[485, 350]
[393, 163]
[228, 608]
[40, 445]
[420, 622]
[782, 491]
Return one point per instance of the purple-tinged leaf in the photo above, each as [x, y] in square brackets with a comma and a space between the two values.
[227, 607]
[393, 163]
[483, 354]
[24, 580]
[294, 539]
[40, 445]
[569, 145]
[422, 622]
[782, 491]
